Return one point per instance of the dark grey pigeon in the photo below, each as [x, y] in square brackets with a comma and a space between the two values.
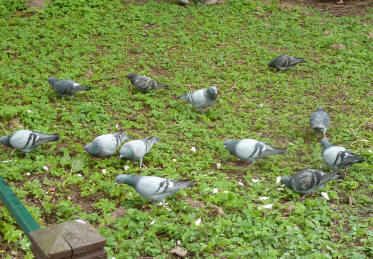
[26, 140]
[144, 83]
[250, 149]
[135, 150]
[320, 120]
[66, 87]
[106, 145]
[202, 98]
[309, 180]
[152, 187]
[285, 62]
[337, 157]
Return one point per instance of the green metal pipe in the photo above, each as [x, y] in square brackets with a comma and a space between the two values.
[19, 212]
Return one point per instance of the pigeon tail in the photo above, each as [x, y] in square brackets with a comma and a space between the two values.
[51, 137]
[160, 86]
[5, 141]
[82, 88]
[338, 176]
[153, 139]
[123, 135]
[275, 151]
[182, 184]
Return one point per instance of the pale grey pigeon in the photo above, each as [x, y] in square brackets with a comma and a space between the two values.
[337, 157]
[308, 180]
[106, 145]
[320, 120]
[66, 87]
[144, 83]
[250, 149]
[202, 98]
[285, 62]
[135, 150]
[152, 187]
[26, 140]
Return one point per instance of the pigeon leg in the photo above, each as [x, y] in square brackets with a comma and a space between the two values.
[303, 197]
[201, 111]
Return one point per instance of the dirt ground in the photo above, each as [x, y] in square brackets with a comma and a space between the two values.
[348, 8]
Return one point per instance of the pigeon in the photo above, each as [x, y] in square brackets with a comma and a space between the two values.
[202, 98]
[320, 120]
[152, 187]
[308, 180]
[250, 149]
[337, 157]
[135, 150]
[144, 83]
[66, 87]
[285, 62]
[26, 140]
[106, 145]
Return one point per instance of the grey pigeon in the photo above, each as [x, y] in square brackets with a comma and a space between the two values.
[144, 83]
[285, 62]
[309, 180]
[337, 157]
[66, 87]
[320, 120]
[135, 150]
[250, 149]
[106, 145]
[152, 187]
[26, 140]
[202, 98]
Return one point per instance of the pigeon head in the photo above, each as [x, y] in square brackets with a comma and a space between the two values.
[126, 179]
[5, 141]
[228, 142]
[91, 148]
[325, 143]
[131, 76]
[319, 109]
[212, 92]
[51, 79]
[285, 180]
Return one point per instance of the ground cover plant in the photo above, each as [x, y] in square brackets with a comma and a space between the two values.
[225, 215]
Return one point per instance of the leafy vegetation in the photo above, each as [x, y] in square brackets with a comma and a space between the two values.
[98, 42]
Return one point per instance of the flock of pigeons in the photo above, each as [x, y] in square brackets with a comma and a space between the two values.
[158, 189]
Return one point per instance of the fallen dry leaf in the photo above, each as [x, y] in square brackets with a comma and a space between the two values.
[178, 251]
[337, 46]
[370, 35]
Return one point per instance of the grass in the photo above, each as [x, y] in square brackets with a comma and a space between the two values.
[98, 42]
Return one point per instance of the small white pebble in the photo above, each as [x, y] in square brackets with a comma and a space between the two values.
[370, 151]
[113, 258]
[81, 221]
[46, 192]
[46, 169]
[263, 198]
[198, 222]
[240, 183]
[68, 197]
[79, 175]
[278, 179]
[117, 126]
[267, 206]
[126, 167]
[169, 209]
[215, 190]
[280, 189]
[178, 242]
[218, 165]
[6, 161]
[103, 171]
[174, 160]
[261, 105]
[152, 223]
[255, 180]
[225, 191]
[325, 195]
[28, 111]
[193, 149]
[28, 174]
